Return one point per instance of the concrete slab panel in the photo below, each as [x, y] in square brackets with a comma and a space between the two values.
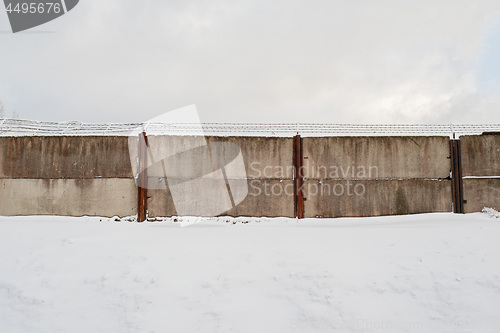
[267, 197]
[264, 157]
[68, 197]
[480, 155]
[480, 193]
[376, 157]
[353, 198]
[64, 157]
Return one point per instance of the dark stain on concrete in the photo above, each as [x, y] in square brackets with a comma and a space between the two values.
[402, 207]
[65, 157]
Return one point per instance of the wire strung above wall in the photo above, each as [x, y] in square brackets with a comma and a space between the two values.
[17, 127]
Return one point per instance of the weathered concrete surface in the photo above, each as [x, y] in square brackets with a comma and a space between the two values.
[68, 173]
[481, 193]
[264, 157]
[70, 197]
[344, 198]
[161, 147]
[64, 157]
[376, 157]
[266, 197]
[480, 155]
[201, 162]
[160, 203]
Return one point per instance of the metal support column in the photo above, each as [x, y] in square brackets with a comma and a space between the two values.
[456, 177]
[142, 184]
[298, 177]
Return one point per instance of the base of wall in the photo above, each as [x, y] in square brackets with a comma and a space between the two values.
[70, 197]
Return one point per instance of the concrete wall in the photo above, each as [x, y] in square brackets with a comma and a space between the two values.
[396, 175]
[267, 162]
[481, 158]
[369, 176]
[94, 175]
[66, 176]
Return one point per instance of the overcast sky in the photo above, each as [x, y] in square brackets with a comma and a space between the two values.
[425, 61]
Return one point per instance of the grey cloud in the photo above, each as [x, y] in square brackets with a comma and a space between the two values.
[258, 61]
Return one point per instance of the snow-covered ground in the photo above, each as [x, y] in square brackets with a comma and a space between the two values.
[420, 273]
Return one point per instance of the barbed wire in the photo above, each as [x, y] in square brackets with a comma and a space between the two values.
[17, 127]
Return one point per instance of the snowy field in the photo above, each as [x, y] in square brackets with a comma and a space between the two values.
[420, 273]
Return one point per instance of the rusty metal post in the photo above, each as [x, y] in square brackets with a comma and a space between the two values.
[459, 177]
[456, 177]
[298, 177]
[142, 195]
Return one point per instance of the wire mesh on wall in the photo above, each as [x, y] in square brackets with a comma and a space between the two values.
[16, 127]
